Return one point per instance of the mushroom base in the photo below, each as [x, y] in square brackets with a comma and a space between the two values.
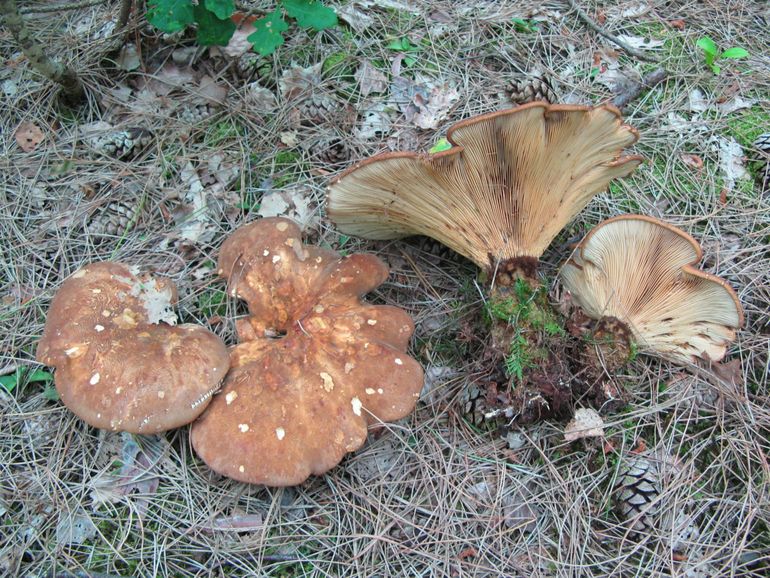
[527, 348]
[603, 349]
[505, 273]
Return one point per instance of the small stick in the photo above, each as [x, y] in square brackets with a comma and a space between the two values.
[599, 30]
[632, 93]
[60, 7]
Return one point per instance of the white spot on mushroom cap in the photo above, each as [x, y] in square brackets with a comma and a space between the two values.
[99, 328]
[231, 397]
[241, 469]
[282, 226]
[106, 313]
[328, 382]
[161, 394]
[96, 291]
[72, 351]
[79, 274]
[371, 321]
[318, 309]
[95, 378]
[265, 253]
[276, 258]
[398, 361]
[369, 391]
[118, 390]
[280, 433]
[349, 367]
[244, 427]
[357, 405]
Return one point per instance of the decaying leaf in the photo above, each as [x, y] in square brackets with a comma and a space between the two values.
[639, 42]
[424, 102]
[731, 161]
[74, 527]
[28, 136]
[376, 122]
[370, 79]
[234, 523]
[586, 423]
[239, 43]
[296, 202]
[520, 511]
[297, 81]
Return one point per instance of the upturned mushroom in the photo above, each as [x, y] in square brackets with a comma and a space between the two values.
[638, 276]
[121, 363]
[511, 181]
[315, 365]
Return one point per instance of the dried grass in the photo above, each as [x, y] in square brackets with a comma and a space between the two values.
[430, 495]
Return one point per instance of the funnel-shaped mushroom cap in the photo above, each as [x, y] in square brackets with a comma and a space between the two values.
[641, 271]
[316, 365]
[512, 181]
[120, 364]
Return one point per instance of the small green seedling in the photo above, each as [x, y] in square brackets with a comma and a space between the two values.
[524, 25]
[22, 375]
[712, 54]
[440, 146]
[215, 27]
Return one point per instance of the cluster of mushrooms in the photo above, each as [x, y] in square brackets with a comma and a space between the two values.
[315, 365]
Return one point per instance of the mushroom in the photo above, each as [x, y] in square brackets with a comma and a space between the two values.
[315, 365]
[510, 183]
[121, 364]
[638, 274]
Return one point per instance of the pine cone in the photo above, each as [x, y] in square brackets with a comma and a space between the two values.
[530, 89]
[316, 109]
[123, 144]
[113, 220]
[331, 152]
[636, 493]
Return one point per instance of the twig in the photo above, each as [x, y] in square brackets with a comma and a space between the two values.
[38, 59]
[632, 93]
[599, 30]
[60, 7]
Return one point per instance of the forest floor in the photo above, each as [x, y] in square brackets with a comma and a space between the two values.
[227, 139]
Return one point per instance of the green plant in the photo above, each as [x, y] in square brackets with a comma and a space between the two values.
[519, 357]
[712, 54]
[525, 25]
[26, 375]
[215, 25]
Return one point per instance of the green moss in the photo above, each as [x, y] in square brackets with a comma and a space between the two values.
[212, 302]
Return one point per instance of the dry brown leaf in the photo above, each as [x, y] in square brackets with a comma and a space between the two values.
[587, 423]
[370, 79]
[28, 136]
[693, 161]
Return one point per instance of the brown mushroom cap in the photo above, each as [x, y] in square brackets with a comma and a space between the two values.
[641, 271]
[316, 365]
[512, 181]
[120, 364]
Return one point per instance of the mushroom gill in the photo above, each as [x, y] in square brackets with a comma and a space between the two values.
[510, 183]
[643, 272]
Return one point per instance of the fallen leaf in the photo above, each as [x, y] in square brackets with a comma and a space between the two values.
[697, 101]
[586, 423]
[296, 202]
[238, 45]
[468, 553]
[693, 161]
[210, 91]
[128, 59]
[260, 98]
[28, 136]
[520, 510]
[297, 81]
[736, 103]
[356, 18]
[234, 523]
[640, 42]
[679, 24]
[723, 197]
[730, 371]
[370, 79]
[376, 122]
[290, 138]
[74, 528]
[731, 161]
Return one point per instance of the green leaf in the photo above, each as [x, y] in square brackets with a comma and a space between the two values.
[50, 393]
[442, 145]
[212, 30]
[170, 15]
[268, 33]
[735, 52]
[709, 49]
[9, 382]
[222, 8]
[40, 375]
[310, 14]
[402, 45]
[715, 68]
[523, 25]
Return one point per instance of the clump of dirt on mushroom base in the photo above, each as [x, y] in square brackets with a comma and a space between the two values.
[121, 363]
[314, 366]
[511, 181]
